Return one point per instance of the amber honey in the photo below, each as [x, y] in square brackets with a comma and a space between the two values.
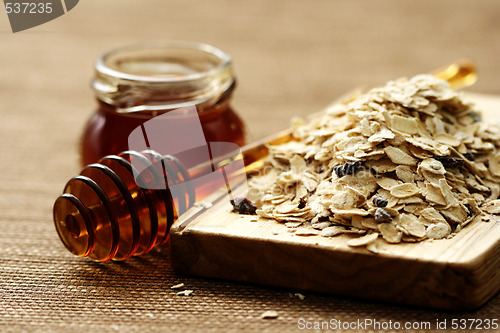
[107, 131]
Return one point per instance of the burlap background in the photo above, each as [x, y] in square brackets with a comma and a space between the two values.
[291, 58]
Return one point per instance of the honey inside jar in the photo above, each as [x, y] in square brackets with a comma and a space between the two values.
[137, 83]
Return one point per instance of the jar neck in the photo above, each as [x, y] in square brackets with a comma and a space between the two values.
[157, 77]
[142, 108]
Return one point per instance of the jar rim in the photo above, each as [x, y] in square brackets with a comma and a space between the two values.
[104, 68]
[162, 75]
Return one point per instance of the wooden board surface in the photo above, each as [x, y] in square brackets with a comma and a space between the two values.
[459, 273]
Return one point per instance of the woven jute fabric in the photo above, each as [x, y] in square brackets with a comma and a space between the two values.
[291, 59]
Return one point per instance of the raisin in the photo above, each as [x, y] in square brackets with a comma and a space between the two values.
[243, 206]
[379, 201]
[348, 168]
[470, 212]
[302, 203]
[339, 171]
[450, 162]
[475, 116]
[470, 156]
[381, 215]
[319, 169]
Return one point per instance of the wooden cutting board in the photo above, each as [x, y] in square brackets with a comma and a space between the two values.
[460, 273]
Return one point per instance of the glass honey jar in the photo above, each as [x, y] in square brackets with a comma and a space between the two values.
[137, 83]
[124, 201]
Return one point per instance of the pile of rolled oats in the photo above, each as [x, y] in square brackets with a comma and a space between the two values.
[409, 161]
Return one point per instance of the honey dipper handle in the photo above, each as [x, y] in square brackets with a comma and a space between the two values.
[460, 75]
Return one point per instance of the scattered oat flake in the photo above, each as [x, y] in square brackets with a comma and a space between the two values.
[438, 231]
[412, 225]
[404, 190]
[299, 296]
[321, 225]
[404, 124]
[204, 204]
[293, 224]
[447, 139]
[363, 241]
[493, 207]
[387, 183]
[372, 247]
[178, 286]
[390, 233]
[270, 314]
[306, 232]
[184, 293]
[398, 156]
[333, 231]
